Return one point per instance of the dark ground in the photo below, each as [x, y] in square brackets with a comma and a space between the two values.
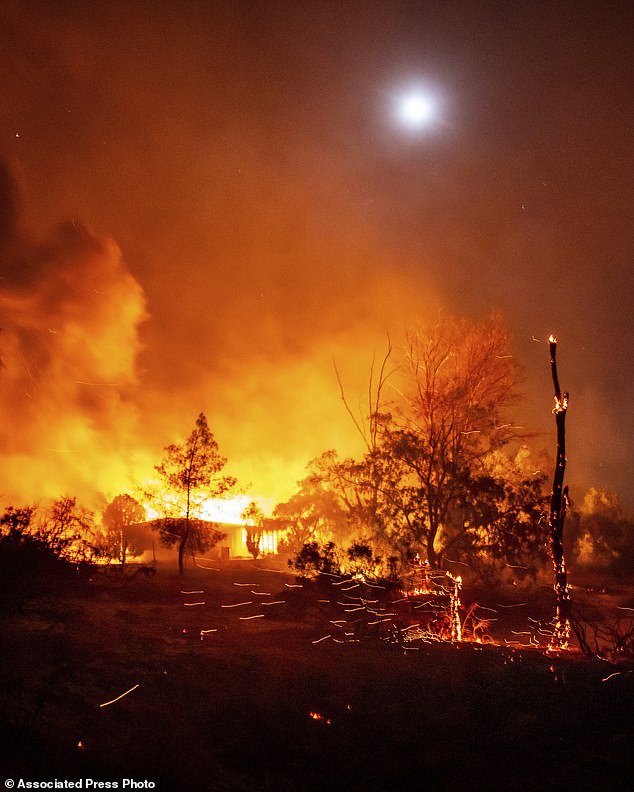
[231, 710]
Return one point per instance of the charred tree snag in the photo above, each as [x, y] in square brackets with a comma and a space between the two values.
[558, 504]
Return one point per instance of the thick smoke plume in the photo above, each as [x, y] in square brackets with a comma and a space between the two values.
[85, 417]
[70, 313]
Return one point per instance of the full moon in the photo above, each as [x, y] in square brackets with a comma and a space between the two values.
[416, 110]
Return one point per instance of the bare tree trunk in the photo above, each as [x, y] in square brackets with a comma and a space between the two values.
[124, 549]
[432, 556]
[558, 503]
[185, 536]
[181, 548]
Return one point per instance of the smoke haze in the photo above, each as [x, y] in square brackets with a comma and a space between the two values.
[272, 215]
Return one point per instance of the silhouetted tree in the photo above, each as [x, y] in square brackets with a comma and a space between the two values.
[118, 518]
[193, 535]
[191, 473]
[69, 529]
[427, 481]
[436, 477]
[38, 555]
[253, 517]
[365, 495]
[310, 515]
[17, 521]
[458, 379]
[500, 525]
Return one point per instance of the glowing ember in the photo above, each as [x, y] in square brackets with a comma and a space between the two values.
[317, 716]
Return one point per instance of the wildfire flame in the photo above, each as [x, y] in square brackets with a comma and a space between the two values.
[220, 510]
[456, 625]
[560, 640]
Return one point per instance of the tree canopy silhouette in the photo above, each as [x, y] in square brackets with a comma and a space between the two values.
[191, 474]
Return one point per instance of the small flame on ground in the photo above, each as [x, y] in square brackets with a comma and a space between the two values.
[317, 716]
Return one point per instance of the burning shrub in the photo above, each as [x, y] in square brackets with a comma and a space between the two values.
[361, 559]
[358, 561]
[314, 559]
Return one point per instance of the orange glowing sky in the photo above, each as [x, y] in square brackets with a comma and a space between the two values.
[240, 204]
